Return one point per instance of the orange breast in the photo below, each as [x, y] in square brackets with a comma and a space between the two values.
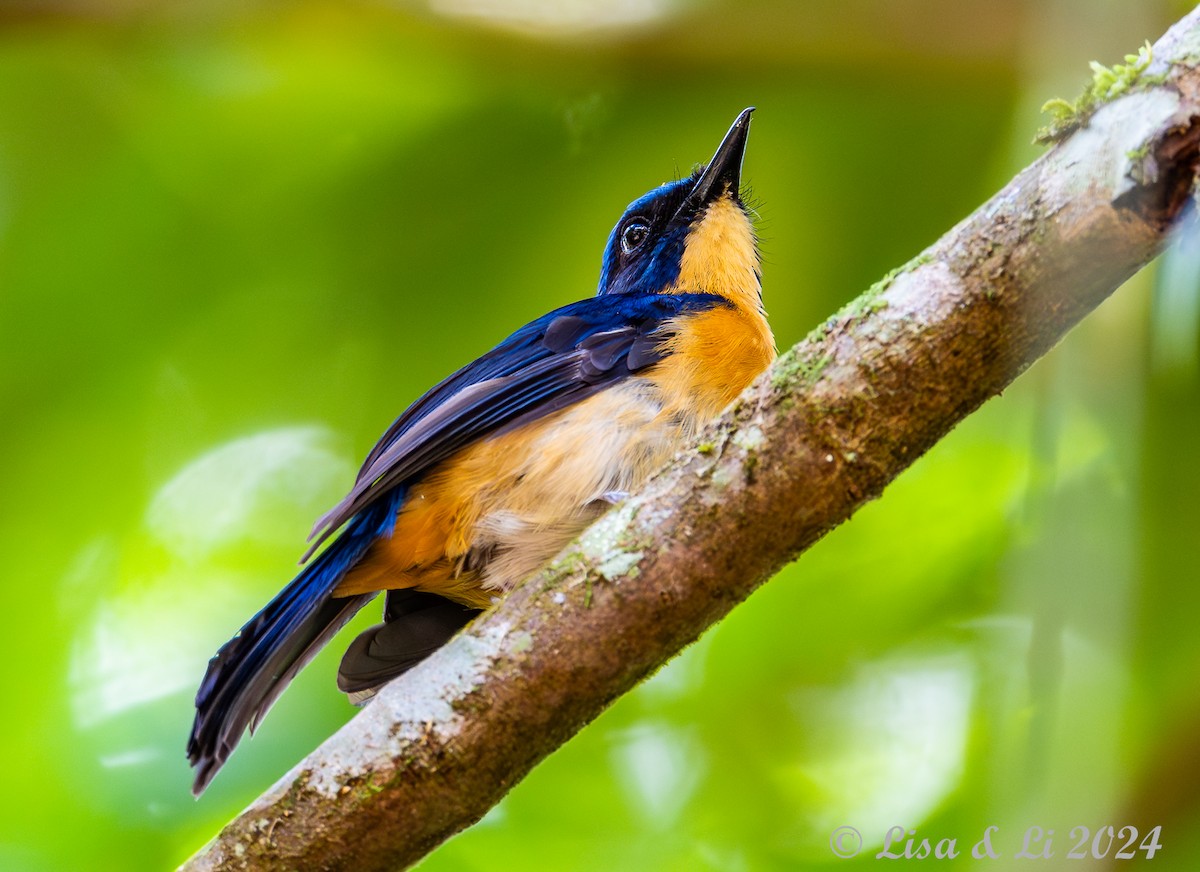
[712, 359]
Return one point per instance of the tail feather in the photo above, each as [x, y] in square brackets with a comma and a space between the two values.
[253, 668]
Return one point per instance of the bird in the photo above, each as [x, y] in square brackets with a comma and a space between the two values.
[489, 474]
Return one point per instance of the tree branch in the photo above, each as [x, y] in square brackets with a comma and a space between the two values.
[824, 431]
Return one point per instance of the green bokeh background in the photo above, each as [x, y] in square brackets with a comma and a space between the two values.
[237, 239]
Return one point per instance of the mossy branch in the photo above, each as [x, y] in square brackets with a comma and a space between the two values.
[1107, 83]
[821, 433]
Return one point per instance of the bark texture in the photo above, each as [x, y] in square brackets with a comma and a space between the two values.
[824, 431]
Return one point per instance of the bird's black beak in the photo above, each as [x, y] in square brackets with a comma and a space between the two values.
[724, 171]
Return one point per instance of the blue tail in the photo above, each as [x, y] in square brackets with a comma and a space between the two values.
[250, 671]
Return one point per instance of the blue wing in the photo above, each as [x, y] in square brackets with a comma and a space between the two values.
[553, 362]
[559, 359]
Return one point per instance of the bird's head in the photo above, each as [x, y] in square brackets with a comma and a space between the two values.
[689, 236]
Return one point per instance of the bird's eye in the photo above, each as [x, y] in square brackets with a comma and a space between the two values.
[634, 235]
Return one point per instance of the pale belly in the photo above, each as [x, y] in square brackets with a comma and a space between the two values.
[500, 509]
[575, 467]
